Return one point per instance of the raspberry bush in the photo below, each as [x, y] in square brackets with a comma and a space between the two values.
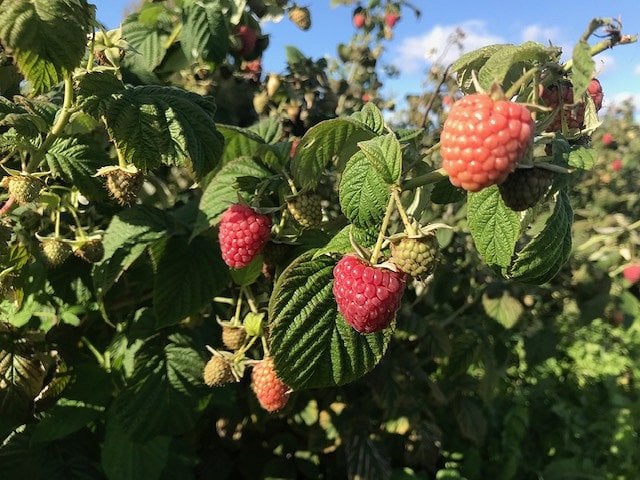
[208, 270]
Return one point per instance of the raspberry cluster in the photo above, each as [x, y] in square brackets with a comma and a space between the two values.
[573, 112]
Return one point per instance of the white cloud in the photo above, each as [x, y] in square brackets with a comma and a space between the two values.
[637, 70]
[537, 33]
[444, 44]
[618, 98]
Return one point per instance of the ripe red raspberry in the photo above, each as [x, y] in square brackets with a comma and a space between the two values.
[243, 232]
[595, 92]
[525, 187]
[271, 392]
[616, 165]
[483, 139]
[573, 112]
[391, 18]
[367, 296]
[631, 272]
[607, 139]
[359, 19]
[248, 38]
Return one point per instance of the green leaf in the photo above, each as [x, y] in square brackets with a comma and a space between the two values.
[541, 259]
[372, 117]
[322, 144]
[164, 396]
[504, 309]
[311, 344]
[47, 37]
[341, 243]
[493, 226]
[83, 401]
[204, 34]
[239, 142]
[582, 69]
[385, 155]
[294, 55]
[221, 191]
[471, 421]
[147, 42]
[76, 162]
[364, 194]
[249, 274]
[154, 124]
[503, 60]
[583, 158]
[127, 237]
[444, 192]
[188, 276]
[472, 62]
[270, 130]
[95, 90]
[124, 458]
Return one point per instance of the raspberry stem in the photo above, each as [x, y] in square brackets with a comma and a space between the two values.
[426, 179]
[57, 128]
[403, 214]
[383, 229]
[236, 316]
[518, 84]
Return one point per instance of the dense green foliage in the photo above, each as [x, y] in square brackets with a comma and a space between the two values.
[516, 359]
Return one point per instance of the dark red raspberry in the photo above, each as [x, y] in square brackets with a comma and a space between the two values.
[525, 187]
[248, 39]
[367, 296]
[573, 112]
[483, 140]
[242, 235]
[271, 392]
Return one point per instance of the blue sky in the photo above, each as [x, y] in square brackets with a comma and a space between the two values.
[484, 22]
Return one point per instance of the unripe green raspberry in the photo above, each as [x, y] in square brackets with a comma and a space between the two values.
[217, 372]
[55, 251]
[306, 209]
[525, 187]
[233, 337]
[415, 256]
[24, 188]
[91, 251]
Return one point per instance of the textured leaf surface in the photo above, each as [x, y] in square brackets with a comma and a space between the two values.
[322, 144]
[204, 32]
[583, 158]
[164, 395]
[583, 68]
[154, 124]
[147, 41]
[48, 37]
[127, 237]
[542, 258]
[95, 89]
[494, 227]
[341, 241]
[126, 459]
[504, 309]
[364, 194]
[372, 117]
[76, 162]
[311, 344]
[385, 155]
[188, 276]
[221, 191]
[444, 192]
